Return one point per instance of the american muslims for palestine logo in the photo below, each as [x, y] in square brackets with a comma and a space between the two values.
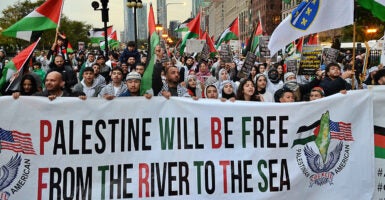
[304, 14]
[19, 143]
[325, 142]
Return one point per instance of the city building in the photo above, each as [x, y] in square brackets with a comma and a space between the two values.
[171, 31]
[161, 12]
[128, 23]
[196, 5]
[141, 14]
[141, 17]
[269, 12]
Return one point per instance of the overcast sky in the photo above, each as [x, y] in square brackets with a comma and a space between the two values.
[81, 10]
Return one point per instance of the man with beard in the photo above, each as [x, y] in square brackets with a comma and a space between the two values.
[54, 85]
[334, 82]
[131, 63]
[68, 75]
[184, 71]
[171, 86]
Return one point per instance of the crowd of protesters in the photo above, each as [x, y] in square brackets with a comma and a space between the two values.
[88, 74]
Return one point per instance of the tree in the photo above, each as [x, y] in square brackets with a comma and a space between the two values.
[74, 30]
[364, 20]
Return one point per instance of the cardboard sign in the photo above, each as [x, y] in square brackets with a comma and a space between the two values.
[226, 53]
[247, 65]
[329, 55]
[310, 60]
[205, 54]
[291, 66]
[263, 48]
[165, 57]
[194, 46]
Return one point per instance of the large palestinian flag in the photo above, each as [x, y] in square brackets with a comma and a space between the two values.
[46, 16]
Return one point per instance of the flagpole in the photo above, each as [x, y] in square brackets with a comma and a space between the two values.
[354, 52]
[61, 11]
[367, 54]
[24, 62]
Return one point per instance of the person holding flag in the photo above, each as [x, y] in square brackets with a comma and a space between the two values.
[59, 47]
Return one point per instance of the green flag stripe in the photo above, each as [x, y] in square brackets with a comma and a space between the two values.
[303, 141]
[146, 82]
[30, 24]
[379, 152]
[6, 73]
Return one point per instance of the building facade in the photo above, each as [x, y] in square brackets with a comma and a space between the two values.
[269, 12]
[141, 14]
[128, 23]
[171, 31]
[161, 12]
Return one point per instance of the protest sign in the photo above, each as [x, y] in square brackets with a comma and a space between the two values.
[291, 66]
[194, 46]
[247, 65]
[310, 60]
[264, 51]
[226, 53]
[330, 55]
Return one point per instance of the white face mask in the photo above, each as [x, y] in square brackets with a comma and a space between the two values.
[292, 85]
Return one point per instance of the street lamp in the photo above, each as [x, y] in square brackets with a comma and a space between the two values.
[158, 28]
[371, 32]
[135, 4]
[104, 10]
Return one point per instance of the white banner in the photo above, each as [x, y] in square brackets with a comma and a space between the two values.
[379, 140]
[133, 148]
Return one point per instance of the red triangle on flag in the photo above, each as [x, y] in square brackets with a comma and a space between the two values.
[51, 9]
[259, 30]
[22, 57]
[234, 27]
[194, 25]
[209, 42]
[151, 21]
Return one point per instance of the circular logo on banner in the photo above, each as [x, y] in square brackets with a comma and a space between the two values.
[322, 149]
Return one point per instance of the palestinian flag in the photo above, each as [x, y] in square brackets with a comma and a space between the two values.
[338, 131]
[46, 16]
[193, 31]
[154, 40]
[17, 63]
[183, 26]
[253, 41]
[69, 48]
[112, 41]
[231, 33]
[377, 7]
[97, 34]
[299, 45]
[379, 142]
[312, 39]
[209, 43]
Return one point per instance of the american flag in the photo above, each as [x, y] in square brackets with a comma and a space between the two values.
[341, 131]
[16, 141]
